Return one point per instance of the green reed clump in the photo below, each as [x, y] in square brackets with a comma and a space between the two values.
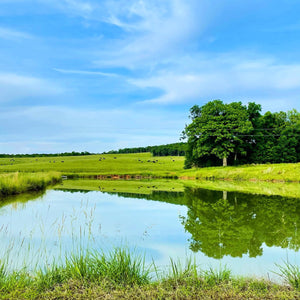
[17, 183]
[179, 272]
[121, 267]
[216, 276]
[48, 277]
[118, 267]
[290, 274]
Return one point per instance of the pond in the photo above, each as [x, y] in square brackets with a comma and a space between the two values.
[247, 233]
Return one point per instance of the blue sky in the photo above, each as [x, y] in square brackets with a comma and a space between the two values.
[108, 74]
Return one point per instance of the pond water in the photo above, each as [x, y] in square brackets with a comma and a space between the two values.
[247, 233]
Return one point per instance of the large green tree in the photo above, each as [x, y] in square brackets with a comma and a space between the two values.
[218, 130]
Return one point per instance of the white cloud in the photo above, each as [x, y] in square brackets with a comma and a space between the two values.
[11, 34]
[14, 86]
[80, 8]
[83, 72]
[155, 30]
[225, 77]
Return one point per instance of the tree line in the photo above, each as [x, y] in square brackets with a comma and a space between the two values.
[175, 149]
[73, 153]
[222, 134]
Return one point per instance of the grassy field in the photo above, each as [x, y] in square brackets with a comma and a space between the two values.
[98, 164]
[17, 183]
[267, 172]
[146, 165]
[122, 275]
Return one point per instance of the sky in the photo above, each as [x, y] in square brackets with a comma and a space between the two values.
[100, 75]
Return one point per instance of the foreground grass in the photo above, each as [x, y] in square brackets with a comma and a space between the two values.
[145, 165]
[122, 275]
[17, 183]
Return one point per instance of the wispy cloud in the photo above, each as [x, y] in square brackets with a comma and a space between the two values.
[80, 8]
[11, 34]
[83, 72]
[18, 87]
[155, 30]
[225, 77]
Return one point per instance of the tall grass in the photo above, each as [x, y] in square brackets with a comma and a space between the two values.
[290, 274]
[217, 276]
[17, 183]
[120, 267]
[93, 275]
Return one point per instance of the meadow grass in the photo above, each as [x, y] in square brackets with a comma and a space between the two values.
[105, 164]
[146, 165]
[267, 172]
[123, 275]
[17, 183]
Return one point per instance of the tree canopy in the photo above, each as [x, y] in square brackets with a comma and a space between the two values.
[239, 133]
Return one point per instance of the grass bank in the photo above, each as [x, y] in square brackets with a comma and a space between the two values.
[122, 275]
[17, 183]
[267, 172]
[143, 164]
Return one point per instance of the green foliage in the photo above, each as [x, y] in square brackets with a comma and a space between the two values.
[175, 149]
[239, 224]
[241, 135]
[217, 129]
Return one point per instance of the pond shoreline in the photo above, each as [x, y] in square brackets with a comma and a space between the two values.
[122, 275]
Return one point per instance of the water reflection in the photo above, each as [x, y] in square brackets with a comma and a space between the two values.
[228, 227]
[240, 223]
[234, 224]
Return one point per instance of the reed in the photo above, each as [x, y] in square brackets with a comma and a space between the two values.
[17, 183]
[290, 274]
[122, 275]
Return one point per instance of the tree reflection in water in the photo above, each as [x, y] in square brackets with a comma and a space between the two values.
[232, 223]
[236, 224]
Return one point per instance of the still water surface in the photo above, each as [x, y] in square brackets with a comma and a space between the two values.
[247, 233]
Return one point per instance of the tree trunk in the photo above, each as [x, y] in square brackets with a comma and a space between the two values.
[224, 161]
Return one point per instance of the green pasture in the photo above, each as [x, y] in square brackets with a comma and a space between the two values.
[104, 164]
[144, 164]
[266, 172]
